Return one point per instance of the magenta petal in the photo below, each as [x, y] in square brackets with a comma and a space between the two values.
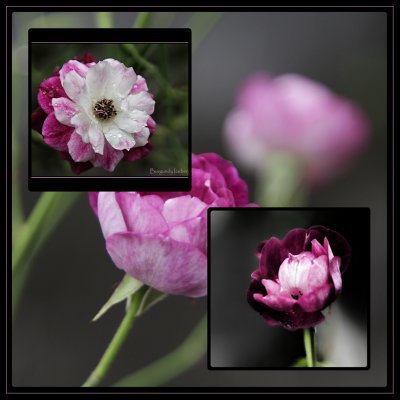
[317, 249]
[293, 242]
[56, 135]
[136, 153]
[167, 265]
[151, 124]
[109, 159]
[281, 302]
[140, 216]
[110, 215]
[93, 196]
[64, 110]
[37, 119]
[193, 231]
[271, 286]
[73, 65]
[301, 320]
[334, 270]
[79, 150]
[49, 89]
[315, 300]
[182, 208]
[139, 86]
[271, 258]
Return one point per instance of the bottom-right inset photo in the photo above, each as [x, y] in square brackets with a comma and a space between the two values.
[288, 288]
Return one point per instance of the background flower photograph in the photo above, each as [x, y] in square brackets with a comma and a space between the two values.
[289, 271]
[96, 109]
[282, 86]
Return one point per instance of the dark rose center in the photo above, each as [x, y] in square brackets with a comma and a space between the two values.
[296, 295]
[104, 109]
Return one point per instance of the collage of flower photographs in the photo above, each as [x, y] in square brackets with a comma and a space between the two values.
[199, 200]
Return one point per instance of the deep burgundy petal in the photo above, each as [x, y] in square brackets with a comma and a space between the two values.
[37, 119]
[340, 246]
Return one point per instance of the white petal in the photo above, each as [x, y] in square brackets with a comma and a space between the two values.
[141, 101]
[131, 121]
[73, 84]
[96, 138]
[122, 78]
[118, 139]
[142, 137]
[64, 110]
[81, 122]
[97, 79]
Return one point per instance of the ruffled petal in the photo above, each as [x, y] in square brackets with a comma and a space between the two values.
[141, 101]
[316, 299]
[64, 110]
[118, 138]
[73, 65]
[56, 135]
[109, 159]
[110, 215]
[79, 150]
[282, 302]
[182, 208]
[164, 264]
[140, 215]
[49, 89]
[139, 86]
[73, 85]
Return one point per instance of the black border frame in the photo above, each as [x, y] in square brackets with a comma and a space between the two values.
[110, 183]
[389, 388]
[209, 283]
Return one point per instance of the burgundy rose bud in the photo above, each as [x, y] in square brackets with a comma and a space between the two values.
[298, 276]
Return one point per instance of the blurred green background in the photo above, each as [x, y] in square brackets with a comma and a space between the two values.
[170, 143]
[54, 343]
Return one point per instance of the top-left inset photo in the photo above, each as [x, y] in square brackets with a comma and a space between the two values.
[109, 110]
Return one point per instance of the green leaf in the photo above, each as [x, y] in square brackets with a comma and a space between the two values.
[150, 298]
[126, 288]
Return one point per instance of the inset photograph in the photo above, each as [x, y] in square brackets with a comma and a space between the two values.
[289, 288]
[109, 103]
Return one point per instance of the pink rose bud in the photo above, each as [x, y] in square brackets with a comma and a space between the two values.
[298, 276]
[295, 115]
[161, 238]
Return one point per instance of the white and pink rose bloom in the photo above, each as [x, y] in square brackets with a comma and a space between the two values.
[161, 238]
[297, 116]
[95, 114]
[298, 276]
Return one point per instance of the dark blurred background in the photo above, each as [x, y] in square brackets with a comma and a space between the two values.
[239, 337]
[170, 146]
[54, 343]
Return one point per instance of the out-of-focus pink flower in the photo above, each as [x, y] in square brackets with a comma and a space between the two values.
[96, 114]
[161, 238]
[298, 276]
[295, 115]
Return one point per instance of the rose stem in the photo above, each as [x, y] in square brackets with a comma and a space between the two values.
[309, 345]
[116, 343]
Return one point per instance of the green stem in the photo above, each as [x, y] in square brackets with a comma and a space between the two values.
[47, 213]
[310, 348]
[142, 20]
[281, 182]
[173, 364]
[104, 20]
[116, 343]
